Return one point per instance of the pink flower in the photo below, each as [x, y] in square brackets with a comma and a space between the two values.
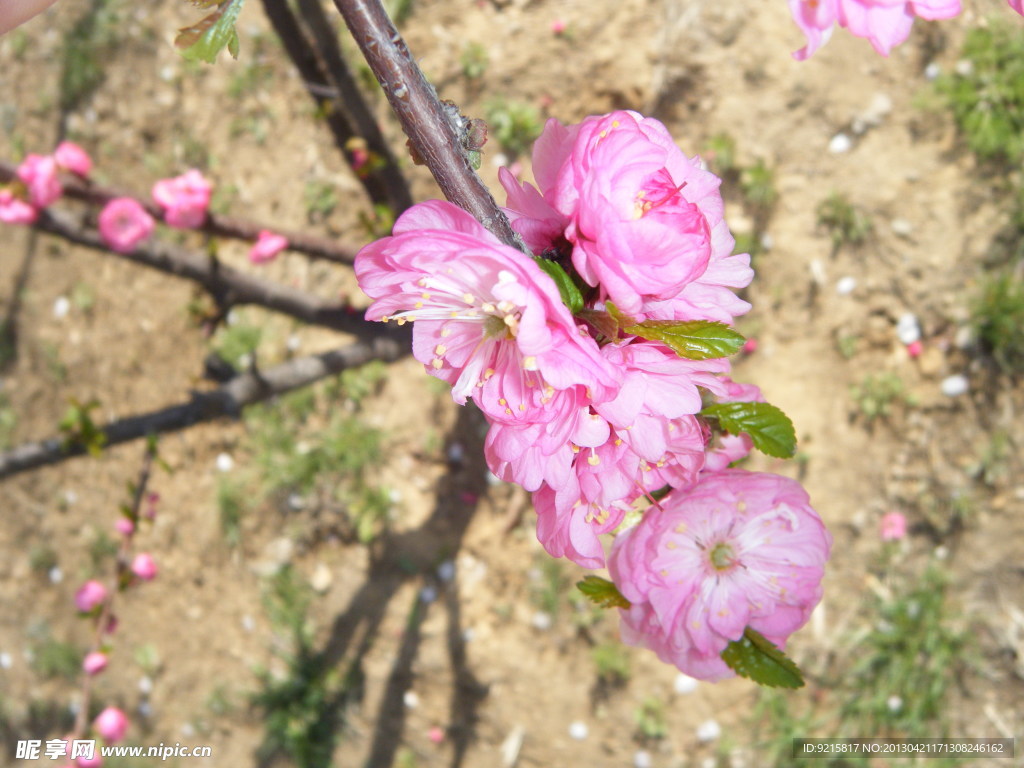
[94, 663]
[152, 499]
[90, 595]
[111, 724]
[40, 176]
[266, 247]
[94, 761]
[915, 348]
[1018, 6]
[184, 199]
[893, 526]
[14, 210]
[73, 158]
[738, 550]
[488, 320]
[124, 223]
[144, 566]
[124, 526]
[558, 26]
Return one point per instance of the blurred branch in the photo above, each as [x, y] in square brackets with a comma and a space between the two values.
[219, 226]
[423, 117]
[228, 286]
[329, 81]
[228, 400]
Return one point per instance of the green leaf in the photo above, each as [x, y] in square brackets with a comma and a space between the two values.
[208, 37]
[755, 657]
[769, 428]
[602, 592]
[567, 289]
[694, 340]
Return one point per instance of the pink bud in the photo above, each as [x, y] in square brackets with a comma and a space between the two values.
[436, 735]
[39, 173]
[90, 595]
[184, 199]
[152, 499]
[89, 762]
[266, 247]
[124, 223]
[915, 348]
[124, 526]
[894, 526]
[73, 158]
[111, 724]
[111, 627]
[750, 346]
[144, 566]
[94, 663]
[558, 26]
[14, 210]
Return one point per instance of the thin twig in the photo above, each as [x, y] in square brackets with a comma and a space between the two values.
[217, 225]
[228, 400]
[424, 119]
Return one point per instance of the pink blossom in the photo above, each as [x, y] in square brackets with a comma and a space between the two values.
[737, 550]
[94, 663]
[111, 724]
[915, 348]
[73, 158]
[90, 595]
[436, 734]
[152, 499]
[95, 761]
[266, 247]
[1018, 6]
[124, 223]
[488, 320]
[893, 526]
[184, 199]
[558, 26]
[13, 14]
[39, 173]
[124, 526]
[14, 210]
[144, 566]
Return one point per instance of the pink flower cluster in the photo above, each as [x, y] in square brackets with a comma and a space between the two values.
[885, 23]
[38, 183]
[587, 416]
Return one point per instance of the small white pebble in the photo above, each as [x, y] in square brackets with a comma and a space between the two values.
[56, 575]
[188, 730]
[456, 453]
[167, 74]
[61, 307]
[894, 703]
[907, 329]
[428, 594]
[394, 495]
[245, 361]
[901, 227]
[145, 685]
[224, 462]
[145, 709]
[685, 684]
[845, 285]
[955, 385]
[293, 343]
[70, 497]
[500, 160]
[5, 660]
[411, 700]
[964, 67]
[642, 759]
[541, 621]
[579, 730]
[932, 71]
[709, 730]
[248, 623]
[767, 241]
[964, 337]
[817, 269]
[231, 318]
[446, 571]
[941, 553]
[468, 634]
[840, 143]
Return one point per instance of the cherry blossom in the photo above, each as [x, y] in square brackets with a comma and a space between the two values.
[124, 223]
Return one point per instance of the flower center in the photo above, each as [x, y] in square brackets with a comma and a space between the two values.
[721, 556]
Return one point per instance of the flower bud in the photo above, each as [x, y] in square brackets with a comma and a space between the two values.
[94, 663]
[111, 724]
[144, 566]
[90, 595]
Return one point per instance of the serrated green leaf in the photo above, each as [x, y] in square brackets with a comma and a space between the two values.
[693, 340]
[769, 428]
[755, 657]
[602, 592]
[567, 289]
[208, 37]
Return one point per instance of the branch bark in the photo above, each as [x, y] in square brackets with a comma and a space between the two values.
[228, 400]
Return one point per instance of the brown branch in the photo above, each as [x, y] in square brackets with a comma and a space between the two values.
[423, 117]
[228, 286]
[228, 400]
[219, 226]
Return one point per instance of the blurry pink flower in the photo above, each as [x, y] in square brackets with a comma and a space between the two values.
[144, 566]
[489, 321]
[893, 526]
[436, 734]
[95, 761]
[738, 550]
[90, 595]
[73, 158]
[94, 663]
[111, 724]
[1018, 6]
[152, 499]
[14, 210]
[558, 26]
[749, 346]
[266, 247]
[40, 176]
[124, 223]
[184, 199]
[124, 526]
[915, 348]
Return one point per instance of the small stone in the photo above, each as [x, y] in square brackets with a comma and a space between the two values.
[248, 623]
[579, 730]
[293, 343]
[840, 144]
[145, 685]
[907, 328]
[964, 338]
[817, 268]
[642, 759]
[901, 227]
[411, 700]
[446, 571]
[955, 385]
[511, 745]
[932, 71]
[894, 703]
[5, 660]
[709, 730]
[428, 594]
[684, 684]
[224, 462]
[56, 575]
[846, 285]
[321, 579]
[456, 453]
[964, 67]
[61, 307]
[767, 241]
[145, 710]
[541, 621]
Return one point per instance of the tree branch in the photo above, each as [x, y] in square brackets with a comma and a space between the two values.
[228, 400]
[423, 117]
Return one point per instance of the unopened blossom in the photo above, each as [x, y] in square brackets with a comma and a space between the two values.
[14, 210]
[94, 663]
[90, 595]
[893, 526]
[267, 246]
[488, 320]
[73, 158]
[111, 724]
[737, 550]
[184, 198]
[124, 526]
[124, 223]
[39, 173]
[144, 566]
